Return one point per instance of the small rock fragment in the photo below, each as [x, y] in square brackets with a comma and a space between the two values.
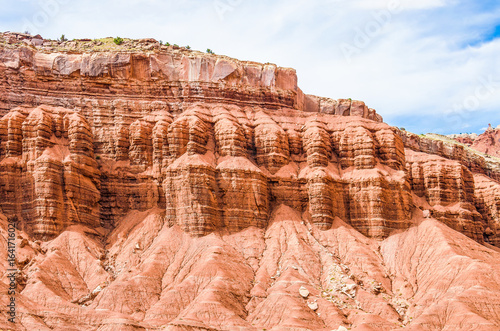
[303, 292]
[349, 290]
[313, 305]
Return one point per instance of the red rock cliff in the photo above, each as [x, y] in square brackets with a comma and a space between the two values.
[162, 188]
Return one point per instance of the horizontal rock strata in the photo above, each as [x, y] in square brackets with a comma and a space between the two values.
[158, 188]
[220, 166]
[216, 143]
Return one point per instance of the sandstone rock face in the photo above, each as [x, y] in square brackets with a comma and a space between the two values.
[175, 190]
[219, 166]
[50, 175]
[449, 189]
[172, 78]
[448, 149]
[209, 167]
[488, 142]
[488, 204]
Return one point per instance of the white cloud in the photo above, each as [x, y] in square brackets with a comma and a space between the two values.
[400, 4]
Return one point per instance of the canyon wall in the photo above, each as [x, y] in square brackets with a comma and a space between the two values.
[215, 142]
[158, 188]
[151, 81]
[209, 167]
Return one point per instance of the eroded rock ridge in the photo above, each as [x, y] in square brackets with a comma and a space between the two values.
[158, 188]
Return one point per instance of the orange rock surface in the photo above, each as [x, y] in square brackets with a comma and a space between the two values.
[488, 142]
[175, 190]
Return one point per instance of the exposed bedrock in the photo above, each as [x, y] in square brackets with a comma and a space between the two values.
[221, 166]
[191, 199]
[271, 143]
[326, 190]
[243, 187]
[215, 142]
[448, 187]
[175, 78]
[162, 188]
[470, 158]
[190, 186]
[50, 178]
[487, 194]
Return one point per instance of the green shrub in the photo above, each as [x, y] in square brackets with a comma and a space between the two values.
[188, 47]
[118, 40]
[167, 44]
[209, 51]
[63, 38]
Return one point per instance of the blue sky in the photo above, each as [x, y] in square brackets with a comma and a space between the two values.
[426, 65]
